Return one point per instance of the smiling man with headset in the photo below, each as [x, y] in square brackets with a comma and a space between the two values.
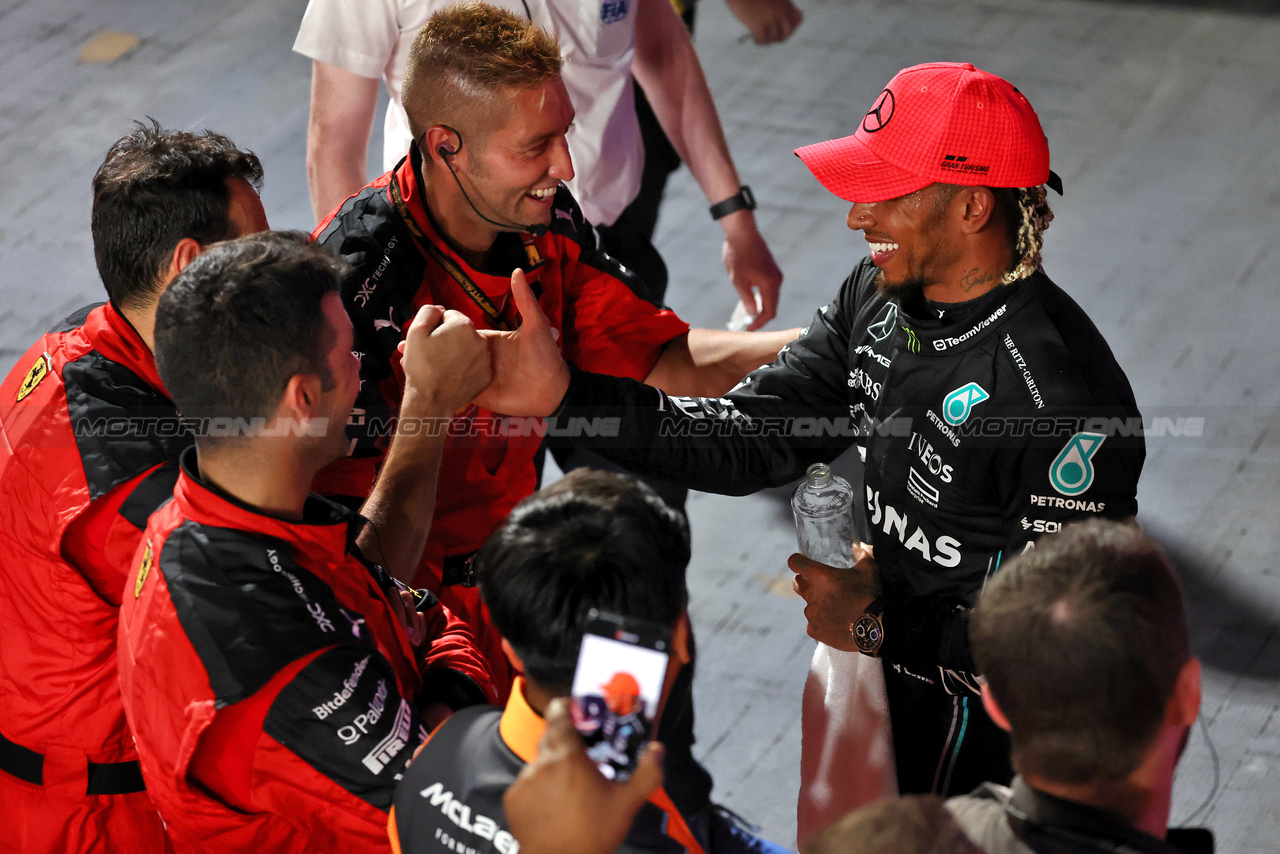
[480, 196]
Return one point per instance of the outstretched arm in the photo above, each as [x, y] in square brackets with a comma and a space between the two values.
[666, 66]
[765, 432]
[709, 362]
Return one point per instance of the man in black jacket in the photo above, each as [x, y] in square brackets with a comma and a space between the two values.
[986, 405]
[1084, 647]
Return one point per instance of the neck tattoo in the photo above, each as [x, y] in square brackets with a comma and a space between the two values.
[975, 278]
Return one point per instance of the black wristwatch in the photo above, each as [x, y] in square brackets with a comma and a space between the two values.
[868, 629]
[743, 199]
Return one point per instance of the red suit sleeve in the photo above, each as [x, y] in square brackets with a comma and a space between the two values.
[321, 745]
[454, 670]
[608, 329]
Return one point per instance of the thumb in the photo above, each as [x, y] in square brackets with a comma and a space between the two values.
[526, 302]
[646, 778]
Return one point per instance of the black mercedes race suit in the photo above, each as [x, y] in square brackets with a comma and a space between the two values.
[980, 430]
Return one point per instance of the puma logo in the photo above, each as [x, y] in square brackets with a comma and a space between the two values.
[390, 321]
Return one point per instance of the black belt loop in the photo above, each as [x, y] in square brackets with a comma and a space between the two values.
[105, 778]
[457, 571]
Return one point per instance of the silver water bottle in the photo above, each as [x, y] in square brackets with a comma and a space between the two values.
[823, 505]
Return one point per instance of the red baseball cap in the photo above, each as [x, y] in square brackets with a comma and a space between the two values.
[944, 122]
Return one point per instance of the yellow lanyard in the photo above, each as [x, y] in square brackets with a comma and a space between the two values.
[424, 243]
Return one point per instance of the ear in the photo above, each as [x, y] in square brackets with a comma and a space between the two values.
[978, 207]
[301, 396]
[183, 254]
[993, 710]
[509, 651]
[439, 138]
[1184, 705]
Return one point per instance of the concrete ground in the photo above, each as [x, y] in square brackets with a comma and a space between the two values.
[1164, 123]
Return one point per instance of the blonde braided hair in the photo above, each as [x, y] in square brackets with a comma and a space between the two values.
[1034, 218]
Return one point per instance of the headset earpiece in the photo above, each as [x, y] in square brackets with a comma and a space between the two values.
[444, 150]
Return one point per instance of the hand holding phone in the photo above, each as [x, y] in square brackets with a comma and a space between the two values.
[617, 689]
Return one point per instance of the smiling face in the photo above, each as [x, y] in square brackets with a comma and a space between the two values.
[910, 239]
[514, 171]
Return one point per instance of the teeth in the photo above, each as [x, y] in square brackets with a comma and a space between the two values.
[542, 194]
[883, 247]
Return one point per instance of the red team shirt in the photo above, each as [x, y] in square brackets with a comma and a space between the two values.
[272, 689]
[402, 263]
[88, 448]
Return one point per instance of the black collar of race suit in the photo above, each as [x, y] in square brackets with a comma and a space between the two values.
[921, 331]
[317, 511]
[1048, 823]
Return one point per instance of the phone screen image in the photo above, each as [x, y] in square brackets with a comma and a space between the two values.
[616, 689]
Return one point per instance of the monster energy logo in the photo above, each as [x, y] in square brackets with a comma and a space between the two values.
[913, 343]
[1072, 470]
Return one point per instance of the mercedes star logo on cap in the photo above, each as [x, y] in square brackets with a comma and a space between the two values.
[880, 113]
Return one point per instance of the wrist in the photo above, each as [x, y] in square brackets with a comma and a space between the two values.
[421, 405]
[742, 201]
[740, 225]
[868, 628]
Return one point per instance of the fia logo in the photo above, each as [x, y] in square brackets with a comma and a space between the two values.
[957, 405]
[612, 11]
[1072, 470]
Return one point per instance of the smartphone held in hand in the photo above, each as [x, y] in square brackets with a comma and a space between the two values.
[617, 687]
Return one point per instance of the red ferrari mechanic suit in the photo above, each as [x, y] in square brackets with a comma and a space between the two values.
[88, 448]
[269, 683]
[402, 264]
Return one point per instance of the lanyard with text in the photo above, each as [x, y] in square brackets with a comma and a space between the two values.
[470, 288]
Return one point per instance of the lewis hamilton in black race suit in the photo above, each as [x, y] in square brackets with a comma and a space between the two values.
[985, 404]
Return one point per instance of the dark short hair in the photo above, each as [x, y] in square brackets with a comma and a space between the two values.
[242, 319]
[1081, 641]
[593, 539]
[155, 188]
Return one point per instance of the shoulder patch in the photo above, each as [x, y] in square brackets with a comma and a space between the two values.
[122, 427]
[248, 608]
[387, 273]
[343, 715]
[567, 221]
[35, 376]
